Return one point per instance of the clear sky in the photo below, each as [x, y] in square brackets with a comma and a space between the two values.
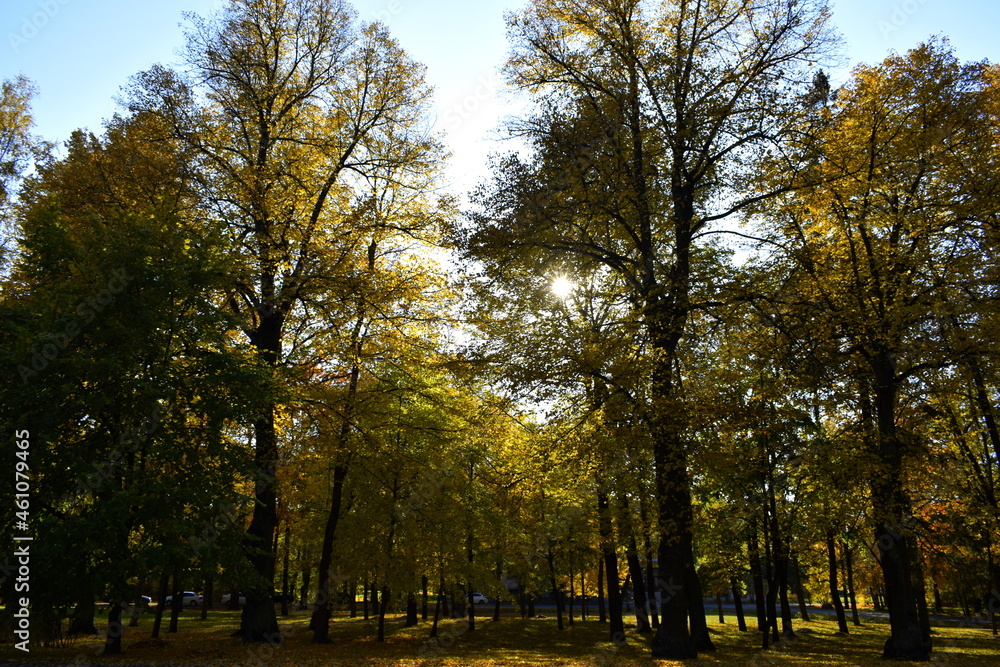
[80, 52]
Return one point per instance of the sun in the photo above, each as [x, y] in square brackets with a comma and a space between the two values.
[562, 287]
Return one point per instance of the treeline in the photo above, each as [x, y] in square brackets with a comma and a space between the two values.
[719, 329]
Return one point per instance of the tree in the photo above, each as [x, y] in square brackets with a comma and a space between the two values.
[878, 237]
[17, 145]
[648, 117]
[294, 111]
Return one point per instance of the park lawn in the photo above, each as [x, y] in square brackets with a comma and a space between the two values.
[512, 642]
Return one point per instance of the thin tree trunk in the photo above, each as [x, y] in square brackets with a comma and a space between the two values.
[831, 550]
[550, 557]
[848, 558]
[601, 611]
[738, 601]
[718, 604]
[352, 597]
[437, 610]
[616, 628]
[758, 580]
[423, 584]
[284, 570]
[364, 599]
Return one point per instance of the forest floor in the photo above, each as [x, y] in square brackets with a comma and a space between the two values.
[511, 642]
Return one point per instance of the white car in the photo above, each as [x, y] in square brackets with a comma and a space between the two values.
[190, 599]
[479, 598]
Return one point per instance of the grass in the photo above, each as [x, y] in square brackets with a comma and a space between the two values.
[512, 642]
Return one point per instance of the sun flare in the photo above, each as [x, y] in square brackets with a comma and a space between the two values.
[562, 287]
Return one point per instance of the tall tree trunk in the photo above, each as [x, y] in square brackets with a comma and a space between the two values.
[848, 558]
[654, 617]
[719, 609]
[161, 593]
[738, 601]
[572, 588]
[616, 628]
[423, 610]
[258, 622]
[284, 571]
[780, 548]
[320, 622]
[892, 510]
[638, 588]
[550, 557]
[799, 593]
[437, 610]
[602, 615]
[831, 550]
[753, 546]
[352, 597]
[364, 599]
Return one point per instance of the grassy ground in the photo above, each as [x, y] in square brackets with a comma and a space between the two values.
[511, 642]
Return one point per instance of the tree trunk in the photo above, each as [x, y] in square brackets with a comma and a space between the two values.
[738, 601]
[892, 510]
[82, 621]
[831, 551]
[423, 610]
[320, 623]
[352, 598]
[472, 607]
[206, 598]
[721, 611]
[758, 580]
[555, 586]
[284, 571]
[780, 548]
[654, 617]
[601, 611]
[161, 593]
[572, 589]
[616, 628]
[848, 558]
[799, 593]
[381, 613]
[113, 640]
[411, 610]
[437, 610]
[639, 589]
[176, 603]
[258, 622]
[364, 599]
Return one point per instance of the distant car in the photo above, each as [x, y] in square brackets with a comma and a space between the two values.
[189, 599]
[283, 597]
[479, 598]
[228, 596]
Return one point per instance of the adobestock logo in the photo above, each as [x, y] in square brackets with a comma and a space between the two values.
[31, 25]
[900, 16]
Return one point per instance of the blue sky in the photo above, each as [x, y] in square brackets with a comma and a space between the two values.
[80, 52]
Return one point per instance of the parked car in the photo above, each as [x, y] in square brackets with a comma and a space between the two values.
[228, 596]
[190, 599]
[283, 597]
[479, 598]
